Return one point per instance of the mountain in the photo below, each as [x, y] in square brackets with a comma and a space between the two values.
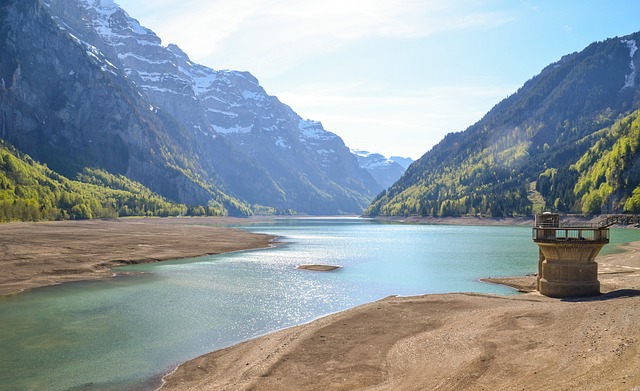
[262, 151]
[65, 104]
[30, 191]
[85, 85]
[564, 141]
[385, 171]
[606, 179]
[404, 162]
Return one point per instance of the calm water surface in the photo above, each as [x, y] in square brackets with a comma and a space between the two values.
[121, 333]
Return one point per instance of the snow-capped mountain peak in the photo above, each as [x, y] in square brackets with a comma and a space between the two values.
[385, 170]
[371, 160]
[112, 22]
[226, 112]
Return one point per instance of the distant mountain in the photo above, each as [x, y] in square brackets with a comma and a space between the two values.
[85, 85]
[405, 162]
[565, 141]
[385, 171]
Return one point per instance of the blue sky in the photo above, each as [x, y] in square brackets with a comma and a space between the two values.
[388, 76]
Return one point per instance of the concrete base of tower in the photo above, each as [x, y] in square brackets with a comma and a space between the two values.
[568, 269]
[561, 289]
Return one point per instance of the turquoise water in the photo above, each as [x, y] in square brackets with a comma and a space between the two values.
[122, 333]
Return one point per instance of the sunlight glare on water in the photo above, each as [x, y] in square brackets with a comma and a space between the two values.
[122, 333]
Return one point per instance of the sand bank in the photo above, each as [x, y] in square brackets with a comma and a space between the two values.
[448, 342]
[39, 254]
[432, 342]
[318, 268]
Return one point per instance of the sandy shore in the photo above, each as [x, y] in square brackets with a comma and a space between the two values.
[448, 342]
[432, 342]
[38, 254]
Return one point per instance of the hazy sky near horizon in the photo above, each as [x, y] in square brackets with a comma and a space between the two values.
[388, 76]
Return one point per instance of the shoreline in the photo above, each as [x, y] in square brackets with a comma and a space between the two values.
[34, 255]
[527, 341]
[484, 221]
[458, 341]
[502, 221]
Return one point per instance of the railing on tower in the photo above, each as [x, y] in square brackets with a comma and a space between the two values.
[548, 229]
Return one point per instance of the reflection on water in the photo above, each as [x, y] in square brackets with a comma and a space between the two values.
[117, 334]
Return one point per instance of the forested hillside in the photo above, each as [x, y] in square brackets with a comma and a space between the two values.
[563, 141]
[605, 179]
[30, 191]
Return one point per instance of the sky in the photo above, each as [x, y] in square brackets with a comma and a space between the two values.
[387, 76]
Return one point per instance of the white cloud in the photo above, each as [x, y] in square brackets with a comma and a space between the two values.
[283, 41]
[199, 27]
[266, 36]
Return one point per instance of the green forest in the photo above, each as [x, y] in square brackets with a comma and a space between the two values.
[605, 179]
[497, 182]
[566, 141]
[30, 191]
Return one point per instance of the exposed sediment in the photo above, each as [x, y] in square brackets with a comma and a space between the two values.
[33, 255]
[448, 342]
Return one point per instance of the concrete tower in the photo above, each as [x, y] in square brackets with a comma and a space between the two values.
[567, 266]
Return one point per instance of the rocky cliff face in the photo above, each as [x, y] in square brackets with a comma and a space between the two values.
[63, 102]
[243, 140]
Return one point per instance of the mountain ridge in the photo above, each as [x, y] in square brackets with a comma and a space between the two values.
[60, 116]
[386, 171]
[548, 123]
[136, 108]
[280, 149]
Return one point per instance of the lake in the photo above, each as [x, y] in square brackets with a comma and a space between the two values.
[123, 333]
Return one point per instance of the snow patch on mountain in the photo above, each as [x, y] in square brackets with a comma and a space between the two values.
[222, 112]
[201, 80]
[123, 56]
[235, 129]
[227, 103]
[253, 95]
[385, 170]
[96, 55]
[404, 162]
[282, 143]
[630, 79]
[371, 160]
[313, 130]
[106, 10]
